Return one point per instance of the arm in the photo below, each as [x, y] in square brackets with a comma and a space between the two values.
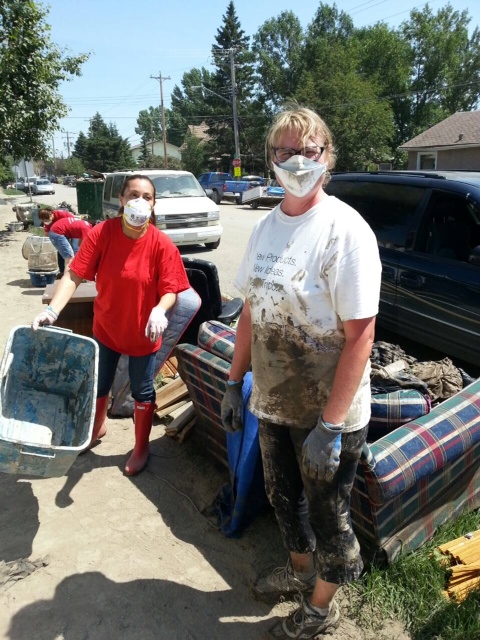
[359, 338]
[242, 354]
[64, 291]
[167, 301]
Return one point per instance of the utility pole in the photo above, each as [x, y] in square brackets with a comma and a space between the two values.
[160, 78]
[234, 103]
[53, 153]
[67, 134]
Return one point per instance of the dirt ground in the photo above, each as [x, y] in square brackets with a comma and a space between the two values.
[127, 558]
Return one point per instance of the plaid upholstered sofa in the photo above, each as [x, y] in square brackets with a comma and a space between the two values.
[425, 472]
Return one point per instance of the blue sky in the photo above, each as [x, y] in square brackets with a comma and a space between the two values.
[131, 41]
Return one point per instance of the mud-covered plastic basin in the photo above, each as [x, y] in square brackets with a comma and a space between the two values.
[48, 383]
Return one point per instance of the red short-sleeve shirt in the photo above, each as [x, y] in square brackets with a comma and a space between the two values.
[58, 214]
[131, 277]
[71, 228]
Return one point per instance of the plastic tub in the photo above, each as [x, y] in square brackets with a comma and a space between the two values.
[40, 253]
[48, 388]
[42, 278]
[15, 226]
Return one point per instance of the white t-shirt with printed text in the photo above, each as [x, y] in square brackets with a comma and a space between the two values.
[304, 276]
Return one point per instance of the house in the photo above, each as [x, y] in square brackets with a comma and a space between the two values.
[156, 148]
[452, 144]
[198, 131]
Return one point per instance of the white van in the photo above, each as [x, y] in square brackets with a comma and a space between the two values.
[182, 210]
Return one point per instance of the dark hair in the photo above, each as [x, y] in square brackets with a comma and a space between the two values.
[44, 214]
[138, 176]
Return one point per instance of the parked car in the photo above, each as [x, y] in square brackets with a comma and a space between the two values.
[182, 210]
[70, 181]
[233, 189]
[41, 187]
[428, 231]
[28, 184]
[214, 181]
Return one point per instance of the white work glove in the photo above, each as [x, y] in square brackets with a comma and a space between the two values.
[321, 451]
[232, 407]
[49, 316]
[156, 325]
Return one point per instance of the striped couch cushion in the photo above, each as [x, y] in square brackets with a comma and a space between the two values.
[394, 409]
[415, 451]
[217, 338]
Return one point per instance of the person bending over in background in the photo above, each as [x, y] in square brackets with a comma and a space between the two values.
[138, 272]
[62, 234]
[311, 278]
[48, 217]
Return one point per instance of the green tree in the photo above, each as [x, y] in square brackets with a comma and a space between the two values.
[278, 45]
[385, 59]
[157, 162]
[445, 65]
[103, 149]
[193, 156]
[230, 40]
[149, 128]
[74, 167]
[6, 173]
[31, 71]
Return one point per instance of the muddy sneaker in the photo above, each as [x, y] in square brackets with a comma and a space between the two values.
[281, 582]
[305, 624]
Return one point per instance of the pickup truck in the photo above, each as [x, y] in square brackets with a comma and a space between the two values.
[428, 232]
[214, 181]
[233, 189]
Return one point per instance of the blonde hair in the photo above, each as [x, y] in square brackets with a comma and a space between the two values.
[307, 123]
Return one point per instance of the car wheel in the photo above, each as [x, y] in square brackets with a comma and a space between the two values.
[216, 197]
[213, 245]
[239, 200]
[254, 205]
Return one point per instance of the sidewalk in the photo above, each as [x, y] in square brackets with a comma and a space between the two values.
[127, 558]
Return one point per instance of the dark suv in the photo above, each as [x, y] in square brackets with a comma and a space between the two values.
[428, 231]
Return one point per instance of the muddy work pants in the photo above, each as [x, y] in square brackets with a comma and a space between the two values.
[328, 528]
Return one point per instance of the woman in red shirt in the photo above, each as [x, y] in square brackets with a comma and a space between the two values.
[48, 218]
[138, 273]
[63, 231]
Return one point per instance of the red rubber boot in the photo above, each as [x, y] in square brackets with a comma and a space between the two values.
[100, 422]
[143, 418]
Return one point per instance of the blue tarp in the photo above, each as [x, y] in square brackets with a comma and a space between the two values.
[244, 497]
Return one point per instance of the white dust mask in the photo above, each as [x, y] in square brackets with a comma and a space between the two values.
[136, 213]
[299, 175]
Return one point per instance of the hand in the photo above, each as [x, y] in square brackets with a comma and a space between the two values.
[321, 451]
[156, 325]
[232, 408]
[45, 318]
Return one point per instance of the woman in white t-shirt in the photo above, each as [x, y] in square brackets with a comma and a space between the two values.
[311, 279]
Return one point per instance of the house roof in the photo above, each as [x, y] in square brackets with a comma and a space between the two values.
[461, 129]
[197, 131]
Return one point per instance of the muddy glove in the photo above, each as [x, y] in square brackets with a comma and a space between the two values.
[232, 407]
[156, 325]
[49, 316]
[321, 451]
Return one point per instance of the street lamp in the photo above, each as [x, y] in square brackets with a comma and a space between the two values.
[233, 104]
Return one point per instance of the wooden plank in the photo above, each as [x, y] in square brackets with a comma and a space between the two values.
[171, 393]
[167, 410]
[183, 416]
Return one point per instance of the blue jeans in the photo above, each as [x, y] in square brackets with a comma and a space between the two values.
[141, 370]
[61, 244]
